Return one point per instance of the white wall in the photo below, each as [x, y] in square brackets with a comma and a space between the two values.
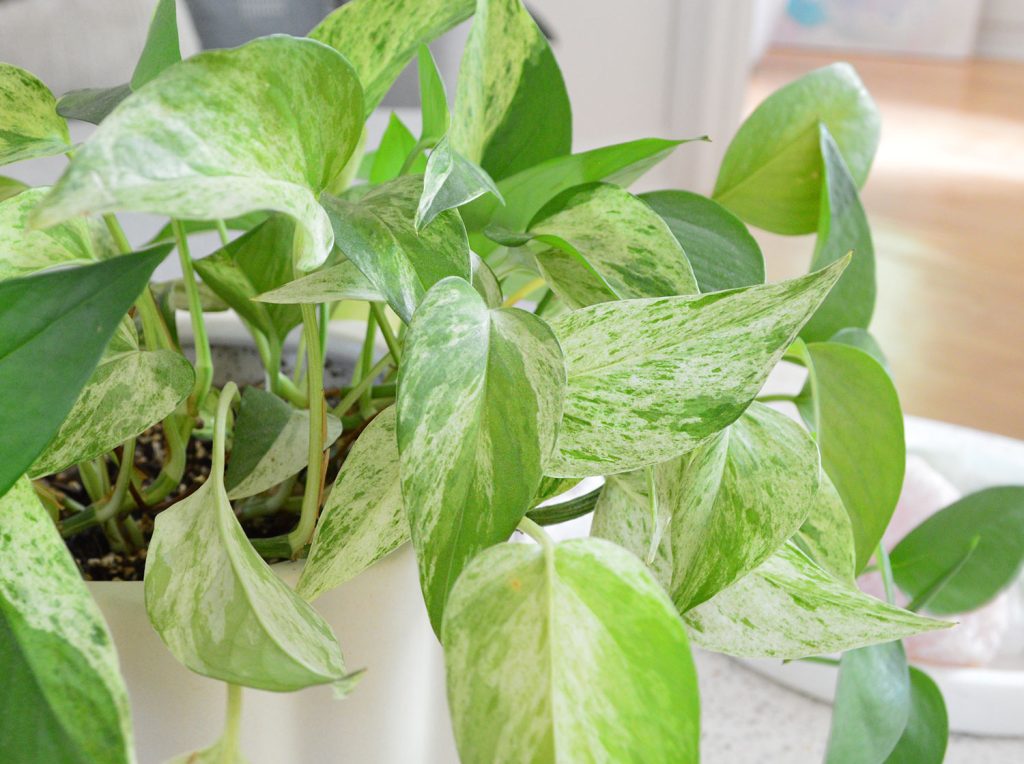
[1001, 32]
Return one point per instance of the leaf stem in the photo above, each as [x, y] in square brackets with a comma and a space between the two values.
[366, 364]
[109, 510]
[220, 427]
[886, 570]
[387, 331]
[222, 231]
[204, 359]
[232, 725]
[538, 534]
[365, 383]
[523, 292]
[776, 397]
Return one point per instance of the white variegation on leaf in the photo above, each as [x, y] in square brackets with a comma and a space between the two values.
[790, 608]
[216, 136]
[219, 607]
[337, 282]
[565, 654]
[479, 401]
[651, 379]
[63, 697]
[827, 534]
[450, 181]
[24, 251]
[364, 517]
[29, 123]
[127, 394]
[484, 281]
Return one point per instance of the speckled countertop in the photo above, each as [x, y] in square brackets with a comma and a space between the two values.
[749, 719]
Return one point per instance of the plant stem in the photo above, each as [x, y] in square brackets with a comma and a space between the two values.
[538, 534]
[652, 500]
[232, 724]
[94, 479]
[222, 231]
[523, 292]
[776, 397]
[365, 383]
[365, 365]
[387, 331]
[220, 427]
[886, 570]
[204, 359]
[544, 301]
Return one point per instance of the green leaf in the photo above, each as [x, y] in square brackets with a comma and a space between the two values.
[92, 105]
[364, 517]
[827, 534]
[872, 705]
[54, 327]
[450, 181]
[719, 247]
[568, 654]
[218, 606]
[377, 233]
[526, 192]
[240, 223]
[395, 145]
[842, 227]
[380, 37]
[63, 697]
[606, 238]
[125, 396]
[216, 136]
[484, 281]
[771, 173]
[927, 732]
[864, 340]
[979, 539]
[651, 379]
[433, 98]
[338, 282]
[256, 262]
[29, 124]
[855, 410]
[9, 188]
[271, 443]
[24, 251]
[790, 608]
[161, 49]
[479, 400]
[511, 107]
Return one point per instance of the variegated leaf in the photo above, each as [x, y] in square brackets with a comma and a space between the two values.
[271, 443]
[484, 281]
[29, 123]
[219, 607]
[622, 240]
[380, 37]
[790, 608]
[378, 234]
[511, 107]
[364, 518]
[651, 379]
[126, 395]
[479, 400]
[24, 250]
[337, 282]
[568, 654]
[827, 535]
[450, 181]
[63, 696]
[216, 136]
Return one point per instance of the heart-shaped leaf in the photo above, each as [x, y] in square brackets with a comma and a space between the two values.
[790, 608]
[585, 659]
[337, 282]
[479, 400]
[54, 326]
[216, 136]
[651, 379]
[24, 251]
[63, 697]
[125, 396]
[511, 107]
[378, 234]
[771, 173]
[450, 181]
[29, 124]
[719, 247]
[364, 518]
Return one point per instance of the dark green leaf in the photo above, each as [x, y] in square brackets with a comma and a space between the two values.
[92, 104]
[927, 733]
[433, 99]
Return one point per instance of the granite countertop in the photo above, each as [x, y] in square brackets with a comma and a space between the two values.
[749, 719]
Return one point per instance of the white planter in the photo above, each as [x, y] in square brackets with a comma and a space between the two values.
[397, 713]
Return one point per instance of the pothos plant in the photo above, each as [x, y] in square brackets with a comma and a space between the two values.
[646, 337]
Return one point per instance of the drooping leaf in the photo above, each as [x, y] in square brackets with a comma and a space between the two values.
[842, 227]
[218, 606]
[872, 705]
[337, 282]
[29, 124]
[827, 534]
[125, 396]
[395, 145]
[271, 443]
[719, 247]
[9, 187]
[511, 107]
[790, 608]
[24, 251]
[63, 696]
[651, 379]
[979, 539]
[479, 400]
[771, 173]
[364, 517]
[377, 233]
[853, 406]
[609, 677]
[54, 327]
[926, 735]
[380, 37]
[606, 238]
[433, 98]
[216, 136]
[450, 181]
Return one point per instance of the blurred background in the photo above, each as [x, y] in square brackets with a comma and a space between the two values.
[946, 195]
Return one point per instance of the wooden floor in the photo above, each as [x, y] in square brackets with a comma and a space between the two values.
[946, 202]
